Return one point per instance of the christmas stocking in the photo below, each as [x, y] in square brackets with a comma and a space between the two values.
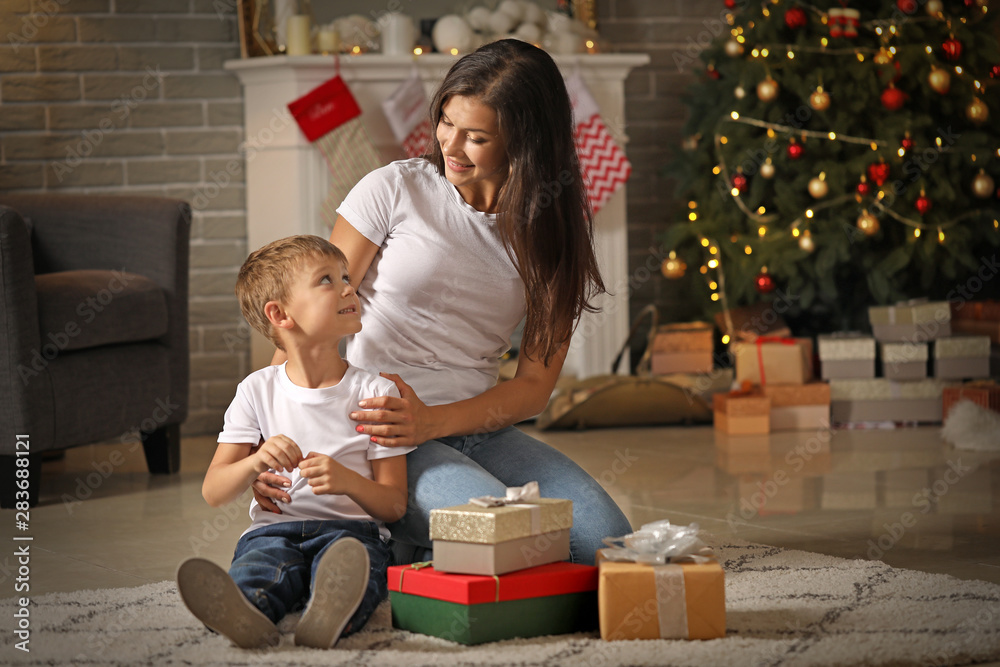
[604, 165]
[406, 111]
[330, 117]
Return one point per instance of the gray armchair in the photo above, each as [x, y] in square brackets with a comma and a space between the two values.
[93, 329]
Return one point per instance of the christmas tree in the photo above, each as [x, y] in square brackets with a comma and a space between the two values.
[840, 155]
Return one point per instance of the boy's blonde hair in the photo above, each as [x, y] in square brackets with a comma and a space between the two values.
[267, 274]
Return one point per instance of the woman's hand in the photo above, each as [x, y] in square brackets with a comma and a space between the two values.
[267, 489]
[395, 422]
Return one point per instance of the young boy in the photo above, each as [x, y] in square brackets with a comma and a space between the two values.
[328, 545]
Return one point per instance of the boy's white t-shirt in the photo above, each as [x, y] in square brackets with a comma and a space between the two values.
[267, 403]
[442, 298]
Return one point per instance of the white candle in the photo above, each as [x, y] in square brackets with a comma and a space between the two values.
[329, 40]
[298, 41]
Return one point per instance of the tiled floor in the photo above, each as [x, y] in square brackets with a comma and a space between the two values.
[902, 496]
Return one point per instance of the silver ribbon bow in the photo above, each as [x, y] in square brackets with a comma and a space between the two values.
[515, 495]
[659, 543]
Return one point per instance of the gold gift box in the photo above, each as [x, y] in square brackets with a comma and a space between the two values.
[490, 525]
[628, 605]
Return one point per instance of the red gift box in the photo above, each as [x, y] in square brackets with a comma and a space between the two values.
[552, 579]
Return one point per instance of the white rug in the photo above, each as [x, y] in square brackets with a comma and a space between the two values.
[784, 608]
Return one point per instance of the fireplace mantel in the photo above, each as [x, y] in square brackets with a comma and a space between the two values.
[286, 176]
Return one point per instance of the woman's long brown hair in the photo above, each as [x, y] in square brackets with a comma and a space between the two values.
[543, 212]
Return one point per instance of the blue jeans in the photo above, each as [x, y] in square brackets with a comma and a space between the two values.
[449, 471]
[275, 565]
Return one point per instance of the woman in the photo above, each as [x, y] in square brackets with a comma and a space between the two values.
[449, 253]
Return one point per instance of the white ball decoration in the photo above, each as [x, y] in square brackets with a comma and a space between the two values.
[533, 14]
[479, 18]
[513, 8]
[452, 32]
[529, 32]
[501, 22]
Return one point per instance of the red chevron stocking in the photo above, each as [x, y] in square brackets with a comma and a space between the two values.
[604, 165]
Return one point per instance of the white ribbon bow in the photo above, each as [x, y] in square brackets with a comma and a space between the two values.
[515, 495]
[659, 543]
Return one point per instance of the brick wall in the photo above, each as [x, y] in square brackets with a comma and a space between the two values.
[670, 32]
[130, 97]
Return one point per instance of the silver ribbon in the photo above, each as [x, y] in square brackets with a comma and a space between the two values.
[515, 495]
[659, 543]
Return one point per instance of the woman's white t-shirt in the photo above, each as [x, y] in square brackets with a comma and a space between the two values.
[442, 298]
[268, 403]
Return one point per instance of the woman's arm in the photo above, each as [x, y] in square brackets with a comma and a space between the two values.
[406, 421]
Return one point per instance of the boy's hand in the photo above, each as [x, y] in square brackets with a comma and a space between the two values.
[323, 474]
[279, 453]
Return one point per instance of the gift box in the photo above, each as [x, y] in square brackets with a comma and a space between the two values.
[682, 348]
[552, 599]
[976, 310]
[846, 355]
[774, 360]
[962, 357]
[502, 557]
[904, 361]
[799, 407]
[985, 395]
[881, 399]
[917, 321]
[741, 414]
[978, 328]
[747, 323]
[673, 601]
[492, 525]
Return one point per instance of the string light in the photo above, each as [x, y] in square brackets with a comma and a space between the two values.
[748, 250]
[692, 216]
[712, 263]
[705, 243]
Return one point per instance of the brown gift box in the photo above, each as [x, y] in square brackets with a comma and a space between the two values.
[629, 600]
[982, 394]
[978, 327]
[742, 414]
[784, 361]
[787, 395]
[683, 337]
[976, 310]
[751, 322]
[694, 361]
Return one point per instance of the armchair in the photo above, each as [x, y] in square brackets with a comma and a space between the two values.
[93, 329]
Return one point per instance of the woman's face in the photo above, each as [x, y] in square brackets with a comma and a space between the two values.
[475, 157]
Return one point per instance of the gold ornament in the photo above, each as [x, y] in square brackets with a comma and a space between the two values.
[672, 267]
[868, 223]
[806, 242]
[767, 90]
[734, 49]
[820, 99]
[983, 185]
[883, 57]
[939, 80]
[977, 112]
[934, 8]
[739, 92]
[818, 187]
[767, 169]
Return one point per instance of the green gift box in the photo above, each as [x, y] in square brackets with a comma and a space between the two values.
[552, 599]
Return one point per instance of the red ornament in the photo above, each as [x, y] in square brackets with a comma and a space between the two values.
[796, 18]
[878, 172]
[764, 283]
[714, 73]
[907, 143]
[893, 98]
[952, 48]
[795, 151]
[730, 4]
[864, 188]
[995, 72]
[907, 6]
[739, 182]
[923, 204]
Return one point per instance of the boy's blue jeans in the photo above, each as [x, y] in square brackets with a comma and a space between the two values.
[275, 565]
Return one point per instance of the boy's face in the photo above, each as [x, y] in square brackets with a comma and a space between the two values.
[322, 302]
